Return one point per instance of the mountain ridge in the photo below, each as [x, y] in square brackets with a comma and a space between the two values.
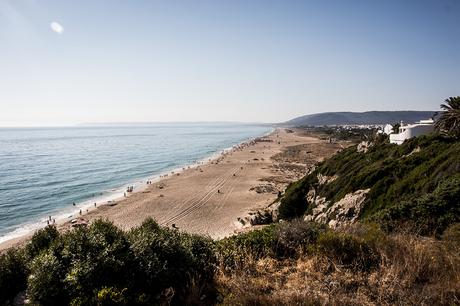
[368, 117]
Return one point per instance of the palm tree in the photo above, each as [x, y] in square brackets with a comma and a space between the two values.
[449, 119]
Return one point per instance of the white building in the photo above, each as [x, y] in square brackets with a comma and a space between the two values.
[388, 129]
[412, 130]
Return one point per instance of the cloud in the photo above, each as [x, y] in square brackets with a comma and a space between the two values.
[56, 27]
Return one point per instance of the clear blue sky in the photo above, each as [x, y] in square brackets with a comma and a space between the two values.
[265, 61]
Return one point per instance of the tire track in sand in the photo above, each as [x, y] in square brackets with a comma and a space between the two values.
[196, 205]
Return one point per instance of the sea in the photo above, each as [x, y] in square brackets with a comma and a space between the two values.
[44, 171]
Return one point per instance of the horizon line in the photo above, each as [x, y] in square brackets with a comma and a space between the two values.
[140, 123]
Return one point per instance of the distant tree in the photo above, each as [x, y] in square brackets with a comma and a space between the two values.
[396, 127]
[449, 119]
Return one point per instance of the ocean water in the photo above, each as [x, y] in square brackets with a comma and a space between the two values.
[44, 170]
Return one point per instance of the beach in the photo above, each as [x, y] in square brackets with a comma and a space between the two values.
[210, 198]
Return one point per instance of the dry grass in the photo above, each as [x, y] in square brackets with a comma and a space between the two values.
[411, 270]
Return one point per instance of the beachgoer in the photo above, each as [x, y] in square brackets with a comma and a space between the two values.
[80, 211]
[73, 203]
[94, 204]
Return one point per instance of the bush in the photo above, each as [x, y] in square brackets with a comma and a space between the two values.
[41, 240]
[427, 215]
[13, 274]
[103, 265]
[294, 201]
[296, 237]
[282, 240]
[45, 283]
[202, 253]
[347, 250]
[451, 237]
[166, 259]
[236, 251]
[111, 297]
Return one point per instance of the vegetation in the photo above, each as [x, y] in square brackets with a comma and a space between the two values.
[449, 120]
[415, 185]
[102, 265]
[278, 264]
[360, 265]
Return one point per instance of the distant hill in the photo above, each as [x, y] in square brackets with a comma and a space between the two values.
[372, 117]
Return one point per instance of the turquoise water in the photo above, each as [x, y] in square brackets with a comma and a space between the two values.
[44, 170]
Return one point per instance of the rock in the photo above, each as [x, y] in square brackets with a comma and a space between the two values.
[364, 146]
[324, 179]
[343, 212]
[264, 188]
[261, 217]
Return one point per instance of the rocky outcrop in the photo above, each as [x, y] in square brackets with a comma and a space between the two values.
[364, 146]
[343, 212]
[264, 188]
[262, 216]
[324, 179]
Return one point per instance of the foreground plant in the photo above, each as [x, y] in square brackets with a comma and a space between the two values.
[449, 120]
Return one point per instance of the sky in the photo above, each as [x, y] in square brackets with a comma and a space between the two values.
[70, 62]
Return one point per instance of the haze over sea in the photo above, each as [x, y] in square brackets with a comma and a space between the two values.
[44, 170]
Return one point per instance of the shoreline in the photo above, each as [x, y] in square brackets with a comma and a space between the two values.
[210, 195]
[65, 215]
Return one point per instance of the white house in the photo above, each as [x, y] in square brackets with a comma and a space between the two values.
[388, 129]
[412, 130]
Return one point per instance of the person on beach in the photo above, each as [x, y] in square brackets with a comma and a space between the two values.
[94, 204]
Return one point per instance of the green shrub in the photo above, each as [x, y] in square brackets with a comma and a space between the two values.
[202, 253]
[237, 250]
[45, 282]
[429, 214]
[102, 265]
[347, 250]
[294, 202]
[95, 257]
[13, 274]
[41, 240]
[296, 236]
[111, 297]
[281, 240]
[166, 259]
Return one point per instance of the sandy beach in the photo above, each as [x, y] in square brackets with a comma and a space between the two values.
[209, 199]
